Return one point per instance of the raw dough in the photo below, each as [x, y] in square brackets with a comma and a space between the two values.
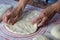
[3, 9]
[56, 31]
[24, 26]
[40, 37]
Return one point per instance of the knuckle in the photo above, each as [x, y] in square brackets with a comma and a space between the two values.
[45, 17]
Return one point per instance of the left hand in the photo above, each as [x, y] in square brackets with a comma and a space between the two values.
[12, 17]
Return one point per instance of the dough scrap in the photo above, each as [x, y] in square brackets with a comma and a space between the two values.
[24, 26]
[56, 31]
[40, 37]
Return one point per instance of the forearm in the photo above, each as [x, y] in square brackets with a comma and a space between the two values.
[53, 8]
[22, 4]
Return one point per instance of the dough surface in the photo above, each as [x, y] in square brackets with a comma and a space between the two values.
[24, 26]
[3, 9]
[56, 31]
[40, 37]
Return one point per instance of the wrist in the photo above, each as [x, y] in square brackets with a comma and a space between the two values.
[53, 9]
[22, 4]
[58, 7]
[20, 8]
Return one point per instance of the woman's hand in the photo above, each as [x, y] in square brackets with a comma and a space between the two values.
[47, 14]
[11, 16]
[44, 18]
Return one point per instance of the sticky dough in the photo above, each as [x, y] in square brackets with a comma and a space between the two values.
[40, 37]
[24, 26]
[3, 9]
[56, 31]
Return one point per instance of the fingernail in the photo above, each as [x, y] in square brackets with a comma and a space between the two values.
[8, 21]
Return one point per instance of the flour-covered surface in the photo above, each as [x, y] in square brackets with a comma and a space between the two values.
[6, 35]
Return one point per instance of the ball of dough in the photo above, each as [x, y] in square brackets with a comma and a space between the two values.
[24, 26]
[56, 31]
[40, 37]
[3, 9]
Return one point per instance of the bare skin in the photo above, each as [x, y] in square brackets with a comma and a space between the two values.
[47, 14]
[42, 19]
[15, 13]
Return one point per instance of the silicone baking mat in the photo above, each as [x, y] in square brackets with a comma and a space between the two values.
[6, 35]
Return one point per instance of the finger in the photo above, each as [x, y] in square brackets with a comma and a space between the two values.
[37, 20]
[42, 22]
[9, 21]
[6, 18]
[14, 20]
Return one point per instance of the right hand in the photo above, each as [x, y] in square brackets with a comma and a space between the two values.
[14, 15]
[44, 18]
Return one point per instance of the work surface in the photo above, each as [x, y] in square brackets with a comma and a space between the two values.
[6, 35]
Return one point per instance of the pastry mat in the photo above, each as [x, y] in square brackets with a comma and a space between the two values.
[6, 35]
